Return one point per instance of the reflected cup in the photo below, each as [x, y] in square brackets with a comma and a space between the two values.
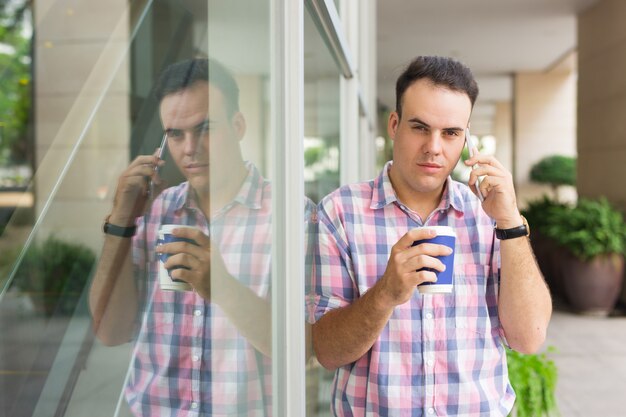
[166, 281]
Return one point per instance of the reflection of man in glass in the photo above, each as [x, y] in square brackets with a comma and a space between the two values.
[204, 351]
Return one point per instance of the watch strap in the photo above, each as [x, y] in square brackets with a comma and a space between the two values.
[120, 231]
[514, 232]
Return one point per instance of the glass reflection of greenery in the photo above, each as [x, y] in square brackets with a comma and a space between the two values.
[15, 90]
[321, 160]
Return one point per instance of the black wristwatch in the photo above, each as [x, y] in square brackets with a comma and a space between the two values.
[120, 231]
[514, 232]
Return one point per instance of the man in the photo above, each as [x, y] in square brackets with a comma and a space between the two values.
[397, 352]
[200, 352]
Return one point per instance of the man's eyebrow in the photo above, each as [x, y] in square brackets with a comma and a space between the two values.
[455, 129]
[418, 121]
[203, 123]
[200, 125]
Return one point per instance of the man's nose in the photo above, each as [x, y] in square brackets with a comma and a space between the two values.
[191, 143]
[434, 143]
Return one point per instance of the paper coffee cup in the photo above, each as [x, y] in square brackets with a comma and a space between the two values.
[445, 236]
[165, 280]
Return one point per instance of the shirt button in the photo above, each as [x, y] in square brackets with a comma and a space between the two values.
[194, 405]
[197, 313]
[429, 316]
[430, 362]
[431, 411]
[195, 358]
[429, 391]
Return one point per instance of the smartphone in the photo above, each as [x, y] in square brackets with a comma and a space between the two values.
[160, 155]
[470, 147]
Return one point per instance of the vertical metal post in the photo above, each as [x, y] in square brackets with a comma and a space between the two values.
[287, 92]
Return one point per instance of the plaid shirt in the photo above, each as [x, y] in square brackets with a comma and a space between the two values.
[439, 354]
[190, 360]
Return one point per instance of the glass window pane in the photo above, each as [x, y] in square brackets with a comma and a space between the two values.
[321, 172]
[103, 323]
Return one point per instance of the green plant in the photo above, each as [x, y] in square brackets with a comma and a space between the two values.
[56, 273]
[313, 155]
[16, 87]
[589, 229]
[540, 213]
[554, 170]
[533, 378]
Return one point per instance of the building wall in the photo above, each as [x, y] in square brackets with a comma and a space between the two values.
[545, 124]
[602, 101]
[81, 114]
[502, 131]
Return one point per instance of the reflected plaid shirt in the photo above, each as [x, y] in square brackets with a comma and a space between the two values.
[439, 354]
[190, 359]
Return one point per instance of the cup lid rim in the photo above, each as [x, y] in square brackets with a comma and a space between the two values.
[442, 230]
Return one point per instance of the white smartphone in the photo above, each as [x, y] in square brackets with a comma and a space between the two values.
[160, 154]
[470, 147]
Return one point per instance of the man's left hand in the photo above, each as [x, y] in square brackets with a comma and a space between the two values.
[496, 186]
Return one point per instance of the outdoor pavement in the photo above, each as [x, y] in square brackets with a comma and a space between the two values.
[591, 360]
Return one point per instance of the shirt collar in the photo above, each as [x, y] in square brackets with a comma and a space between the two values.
[383, 193]
[249, 195]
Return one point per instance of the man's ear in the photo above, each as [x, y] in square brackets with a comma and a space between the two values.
[392, 124]
[239, 125]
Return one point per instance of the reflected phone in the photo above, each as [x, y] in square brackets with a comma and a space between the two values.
[471, 148]
[160, 154]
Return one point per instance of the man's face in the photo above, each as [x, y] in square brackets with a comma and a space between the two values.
[428, 139]
[201, 137]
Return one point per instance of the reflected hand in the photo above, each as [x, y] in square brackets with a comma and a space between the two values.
[196, 261]
[131, 195]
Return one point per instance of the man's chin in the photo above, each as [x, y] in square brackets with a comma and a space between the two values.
[201, 185]
[430, 186]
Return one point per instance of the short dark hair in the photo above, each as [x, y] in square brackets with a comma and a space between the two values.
[184, 74]
[441, 71]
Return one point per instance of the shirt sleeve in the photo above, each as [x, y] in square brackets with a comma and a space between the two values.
[333, 283]
[139, 256]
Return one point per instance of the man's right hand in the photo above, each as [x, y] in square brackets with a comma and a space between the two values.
[402, 274]
[132, 193]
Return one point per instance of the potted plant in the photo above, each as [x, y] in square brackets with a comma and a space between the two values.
[533, 378]
[593, 234]
[554, 170]
[540, 214]
[54, 274]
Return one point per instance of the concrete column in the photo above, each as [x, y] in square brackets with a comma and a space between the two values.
[82, 113]
[545, 124]
[502, 130]
[602, 101]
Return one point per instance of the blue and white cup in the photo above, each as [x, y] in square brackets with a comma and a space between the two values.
[165, 279]
[445, 236]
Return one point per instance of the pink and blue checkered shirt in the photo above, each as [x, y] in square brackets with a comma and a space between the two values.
[190, 359]
[439, 354]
